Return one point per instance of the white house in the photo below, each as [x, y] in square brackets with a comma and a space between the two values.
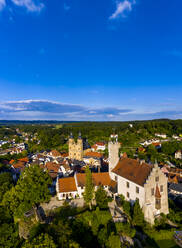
[163, 136]
[75, 186]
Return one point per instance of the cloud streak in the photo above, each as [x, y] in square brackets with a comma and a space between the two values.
[50, 110]
[2, 4]
[29, 5]
[121, 9]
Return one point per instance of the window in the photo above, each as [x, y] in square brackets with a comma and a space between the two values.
[137, 190]
[157, 179]
[116, 178]
[128, 195]
[161, 188]
[127, 184]
[157, 203]
[137, 199]
[152, 191]
[81, 187]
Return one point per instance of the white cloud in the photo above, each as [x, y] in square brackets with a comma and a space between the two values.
[2, 4]
[122, 8]
[29, 5]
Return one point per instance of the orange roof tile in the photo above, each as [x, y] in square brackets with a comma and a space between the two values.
[100, 144]
[52, 166]
[67, 184]
[94, 154]
[19, 165]
[101, 178]
[24, 159]
[64, 155]
[55, 153]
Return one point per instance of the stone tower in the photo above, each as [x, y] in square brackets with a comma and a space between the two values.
[76, 148]
[113, 149]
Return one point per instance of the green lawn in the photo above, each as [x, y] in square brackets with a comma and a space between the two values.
[166, 243]
[164, 238]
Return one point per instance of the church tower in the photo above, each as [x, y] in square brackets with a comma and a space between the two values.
[113, 149]
[76, 148]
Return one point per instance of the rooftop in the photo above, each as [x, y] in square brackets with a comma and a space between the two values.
[133, 170]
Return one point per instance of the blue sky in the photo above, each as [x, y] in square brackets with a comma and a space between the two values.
[90, 60]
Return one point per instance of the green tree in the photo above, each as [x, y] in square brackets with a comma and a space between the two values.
[43, 240]
[31, 190]
[101, 197]
[6, 182]
[138, 216]
[125, 228]
[113, 241]
[89, 188]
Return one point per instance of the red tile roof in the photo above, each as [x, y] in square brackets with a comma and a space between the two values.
[94, 154]
[55, 153]
[100, 144]
[133, 170]
[101, 178]
[19, 165]
[52, 166]
[67, 184]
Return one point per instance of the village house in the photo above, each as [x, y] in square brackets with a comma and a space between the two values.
[93, 159]
[17, 167]
[163, 136]
[55, 154]
[73, 187]
[99, 146]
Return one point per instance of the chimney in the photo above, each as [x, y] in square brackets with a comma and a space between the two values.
[142, 161]
[124, 155]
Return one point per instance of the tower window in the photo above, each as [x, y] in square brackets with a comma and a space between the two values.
[161, 188]
[137, 190]
[157, 203]
[152, 191]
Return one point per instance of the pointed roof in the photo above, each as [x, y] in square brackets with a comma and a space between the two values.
[157, 192]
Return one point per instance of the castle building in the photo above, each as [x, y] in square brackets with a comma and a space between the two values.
[139, 180]
[134, 179]
[76, 148]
